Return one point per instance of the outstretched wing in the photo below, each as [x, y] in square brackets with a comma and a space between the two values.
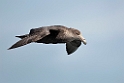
[72, 46]
[34, 36]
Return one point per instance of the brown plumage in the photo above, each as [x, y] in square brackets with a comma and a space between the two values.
[52, 35]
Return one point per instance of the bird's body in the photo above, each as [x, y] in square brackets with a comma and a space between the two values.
[53, 35]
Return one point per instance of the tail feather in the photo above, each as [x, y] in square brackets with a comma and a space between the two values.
[22, 36]
[22, 42]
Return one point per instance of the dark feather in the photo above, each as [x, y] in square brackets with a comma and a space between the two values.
[72, 46]
[22, 36]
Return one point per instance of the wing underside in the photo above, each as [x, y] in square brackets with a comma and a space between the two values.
[72, 46]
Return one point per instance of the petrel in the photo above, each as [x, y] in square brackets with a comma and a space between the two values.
[53, 34]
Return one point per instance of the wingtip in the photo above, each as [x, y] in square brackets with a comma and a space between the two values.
[10, 48]
[69, 53]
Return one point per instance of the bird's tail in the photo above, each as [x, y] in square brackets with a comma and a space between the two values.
[22, 36]
[22, 42]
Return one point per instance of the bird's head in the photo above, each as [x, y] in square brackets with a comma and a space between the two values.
[78, 36]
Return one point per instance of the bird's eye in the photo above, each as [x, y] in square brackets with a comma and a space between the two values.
[77, 32]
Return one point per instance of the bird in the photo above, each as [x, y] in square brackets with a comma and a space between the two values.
[53, 34]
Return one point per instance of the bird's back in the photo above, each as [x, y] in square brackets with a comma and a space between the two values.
[54, 37]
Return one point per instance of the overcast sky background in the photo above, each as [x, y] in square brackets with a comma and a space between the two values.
[100, 61]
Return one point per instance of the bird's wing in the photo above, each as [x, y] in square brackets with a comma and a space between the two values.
[72, 46]
[56, 27]
[34, 36]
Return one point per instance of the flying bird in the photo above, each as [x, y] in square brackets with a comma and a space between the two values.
[53, 35]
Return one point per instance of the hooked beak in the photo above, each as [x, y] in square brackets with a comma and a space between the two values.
[83, 40]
